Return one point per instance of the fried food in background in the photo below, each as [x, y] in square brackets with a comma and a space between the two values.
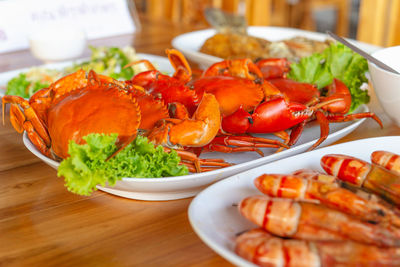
[234, 46]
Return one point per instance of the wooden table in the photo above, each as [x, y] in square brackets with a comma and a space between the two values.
[41, 223]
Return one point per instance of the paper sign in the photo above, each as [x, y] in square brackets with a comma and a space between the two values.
[98, 18]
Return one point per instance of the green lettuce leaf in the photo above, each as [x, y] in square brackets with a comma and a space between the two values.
[109, 61]
[18, 86]
[87, 166]
[23, 87]
[337, 61]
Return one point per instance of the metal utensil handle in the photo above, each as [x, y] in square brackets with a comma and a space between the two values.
[362, 53]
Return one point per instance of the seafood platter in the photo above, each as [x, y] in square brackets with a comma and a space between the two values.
[335, 206]
[210, 124]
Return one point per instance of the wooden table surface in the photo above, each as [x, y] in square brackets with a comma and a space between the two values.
[41, 223]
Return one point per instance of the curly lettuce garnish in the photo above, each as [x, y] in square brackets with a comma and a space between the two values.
[23, 86]
[337, 61]
[87, 166]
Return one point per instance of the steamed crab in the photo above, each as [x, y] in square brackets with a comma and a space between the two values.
[81, 103]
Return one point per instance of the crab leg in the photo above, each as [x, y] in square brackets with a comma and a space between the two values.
[324, 128]
[197, 131]
[183, 72]
[196, 164]
[27, 119]
[146, 62]
[228, 149]
[350, 117]
[242, 144]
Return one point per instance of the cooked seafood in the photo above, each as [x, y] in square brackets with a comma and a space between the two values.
[308, 221]
[386, 159]
[236, 46]
[78, 105]
[360, 173]
[264, 249]
[334, 225]
[232, 41]
[330, 194]
[64, 111]
[252, 103]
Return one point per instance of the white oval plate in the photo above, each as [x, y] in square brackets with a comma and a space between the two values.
[217, 222]
[162, 63]
[189, 43]
[186, 186]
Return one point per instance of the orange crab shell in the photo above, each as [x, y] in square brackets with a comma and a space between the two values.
[231, 92]
[151, 109]
[92, 109]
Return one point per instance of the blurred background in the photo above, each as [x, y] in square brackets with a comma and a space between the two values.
[371, 21]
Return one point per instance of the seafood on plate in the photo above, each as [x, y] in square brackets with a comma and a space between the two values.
[216, 111]
[183, 89]
[308, 218]
[83, 103]
[236, 46]
[251, 101]
[359, 173]
[331, 195]
[265, 249]
[231, 41]
[386, 159]
[309, 221]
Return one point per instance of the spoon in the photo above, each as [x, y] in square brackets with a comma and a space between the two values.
[362, 53]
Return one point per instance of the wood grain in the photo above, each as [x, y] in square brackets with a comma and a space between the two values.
[42, 224]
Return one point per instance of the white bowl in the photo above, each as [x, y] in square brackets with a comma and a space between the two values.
[386, 83]
[57, 43]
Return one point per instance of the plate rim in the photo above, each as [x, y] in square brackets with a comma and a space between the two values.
[226, 253]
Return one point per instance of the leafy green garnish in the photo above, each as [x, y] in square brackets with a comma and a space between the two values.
[87, 166]
[21, 86]
[337, 61]
[28, 83]
[18, 86]
[109, 61]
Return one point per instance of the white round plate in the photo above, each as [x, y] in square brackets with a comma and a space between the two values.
[189, 43]
[217, 222]
[186, 186]
[162, 63]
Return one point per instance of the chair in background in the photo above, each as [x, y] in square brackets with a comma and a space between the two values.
[379, 22]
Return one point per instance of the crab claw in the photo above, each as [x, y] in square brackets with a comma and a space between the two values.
[277, 114]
